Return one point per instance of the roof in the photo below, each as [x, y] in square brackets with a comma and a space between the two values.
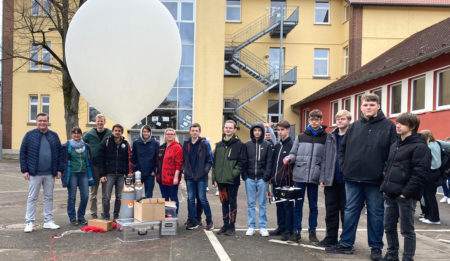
[401, 2]
[419, 47]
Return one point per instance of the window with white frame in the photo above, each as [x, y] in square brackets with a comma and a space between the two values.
[321, 62]
[358, 100]
[233, 11]
[35, 8]
[418, 94]
[379, 93]
[46, 58]
[45, 104]
[346, 60]
[396, 98]
[347, 104]
[346, 13]
[322, 12]
[33, 108]
[443, 88]
[34, 55]
[92, 113]
[334, 110]
[41, 8]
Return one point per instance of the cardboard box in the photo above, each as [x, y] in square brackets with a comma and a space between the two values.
[103, 224]
[150, 209]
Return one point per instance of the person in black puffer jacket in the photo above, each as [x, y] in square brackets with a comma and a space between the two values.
[405, 176]
[256, 174]
[115, 164]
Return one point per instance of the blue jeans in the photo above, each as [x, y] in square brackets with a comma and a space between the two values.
[445, 186]
[80, 180]
[198, 189]
[356, 194]
[256, 190]
[149, 184]
[170, 193]
[312, 202]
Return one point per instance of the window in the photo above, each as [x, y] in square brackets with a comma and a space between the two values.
[358, 106]
[305, 118]
[396, 98]
[418, 94]
[321, 62]
[273, 110]
[346, 104]
[46, 58]
[276, 7]
[45, 104]
[443, 90]
[33, 108]
[334, 110]
[36, 9]
[274, 61]
[92, 113]
[322, 12]
[379, 92]
[233, 11]
[345, 60]
[346, 13]
[34, 55]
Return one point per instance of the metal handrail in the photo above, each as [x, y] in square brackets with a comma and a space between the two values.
[254, 62]
[249, 115]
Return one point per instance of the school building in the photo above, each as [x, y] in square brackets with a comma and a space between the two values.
[231, 60]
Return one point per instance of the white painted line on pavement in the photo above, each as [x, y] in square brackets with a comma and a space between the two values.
[444, 240]
[358, 230]
[223, 256]
[296, 244]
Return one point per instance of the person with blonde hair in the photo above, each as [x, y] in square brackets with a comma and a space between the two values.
[168, 163]
[434, 180]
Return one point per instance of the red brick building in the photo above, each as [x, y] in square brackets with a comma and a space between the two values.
[413, 76]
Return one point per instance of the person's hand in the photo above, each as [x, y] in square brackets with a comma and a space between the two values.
[26, 175]
[176, 180]
[286, 160]
[322, 184]
[215, 184]
[130, 175]
[103, 179]
[153, 174]
[270, 124]
[402, 196]
[58, 175]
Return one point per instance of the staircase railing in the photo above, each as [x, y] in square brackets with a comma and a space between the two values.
[254, 62]
[249, 116]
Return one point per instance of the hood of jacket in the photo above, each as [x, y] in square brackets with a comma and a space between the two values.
[260, 126]
[380, 116]
[232, 140]
[413, 138]
[142, 137]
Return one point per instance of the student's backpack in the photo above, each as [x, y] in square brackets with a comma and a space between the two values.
[445, 162]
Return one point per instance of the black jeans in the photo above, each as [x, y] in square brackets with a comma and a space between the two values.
[402, 208]
[334, 207]
[429, 195]
[285, 216]
[228, 197]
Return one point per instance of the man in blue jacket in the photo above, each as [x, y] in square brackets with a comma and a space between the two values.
[362, 155]
[196, 165]
[40, 162]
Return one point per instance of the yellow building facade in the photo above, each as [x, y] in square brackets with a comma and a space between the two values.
[330, 39]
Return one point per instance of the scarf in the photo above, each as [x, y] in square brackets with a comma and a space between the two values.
[79, 147]
[314, 132]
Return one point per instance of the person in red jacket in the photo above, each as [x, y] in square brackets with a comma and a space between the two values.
[169, 162]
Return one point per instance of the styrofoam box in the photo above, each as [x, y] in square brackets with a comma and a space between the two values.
[169, 227]
[130, 231]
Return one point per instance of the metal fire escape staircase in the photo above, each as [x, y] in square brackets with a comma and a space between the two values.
[267, 78]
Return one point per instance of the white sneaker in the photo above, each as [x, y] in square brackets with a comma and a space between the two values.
[422, 219]
[448, 201]
[426, 221]
[263, 232]
[250, 231]
[28, 227]
[217, 193]
[444, 199]
[51, 225]
[207, 189]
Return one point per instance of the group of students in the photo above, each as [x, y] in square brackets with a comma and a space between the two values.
[372, 162]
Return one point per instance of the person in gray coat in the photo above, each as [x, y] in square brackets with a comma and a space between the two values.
[308, 155]
[332, 179]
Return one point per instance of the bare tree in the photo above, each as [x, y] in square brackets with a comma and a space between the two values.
[44, 24]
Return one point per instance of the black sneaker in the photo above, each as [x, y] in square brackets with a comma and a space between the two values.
[209, 226]
[340, 249]
[230, 231]
[191, 226]
[83, 222]
[325, 243]
[187, 222]
[375, 254]
[94, 215]
[296, 237]
[389, 257]
[276, 232]
[313, 237]
[199, 222]
[222, 230]
[285, 236]
[74, 223]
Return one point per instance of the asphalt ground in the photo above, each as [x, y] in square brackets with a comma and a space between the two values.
[433, 241]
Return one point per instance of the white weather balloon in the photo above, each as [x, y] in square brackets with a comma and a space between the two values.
[123, 56]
